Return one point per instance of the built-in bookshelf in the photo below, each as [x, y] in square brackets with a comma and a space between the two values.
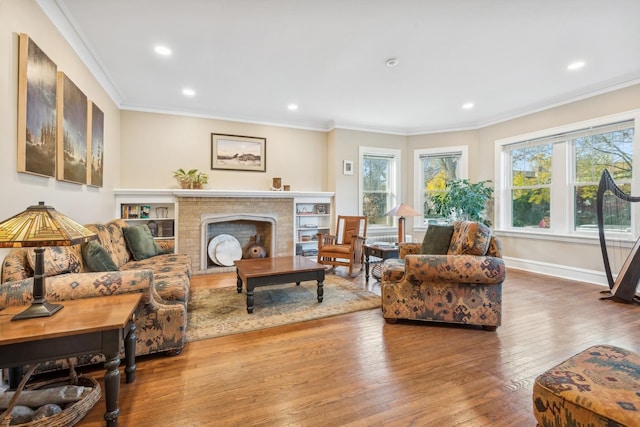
[158, 211]
[312, 216]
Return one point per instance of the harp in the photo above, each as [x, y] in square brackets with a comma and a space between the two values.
[623, 287]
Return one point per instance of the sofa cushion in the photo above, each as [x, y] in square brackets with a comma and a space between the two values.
[436, 240]
[119, 252]
[140, 242]
[57, 260]
[469, 238]
[96, 257]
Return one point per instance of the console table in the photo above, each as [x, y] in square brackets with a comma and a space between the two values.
[83, 326]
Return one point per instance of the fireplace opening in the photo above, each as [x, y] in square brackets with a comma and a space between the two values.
[244, 228]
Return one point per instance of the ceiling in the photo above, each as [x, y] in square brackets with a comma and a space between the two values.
[247, 60]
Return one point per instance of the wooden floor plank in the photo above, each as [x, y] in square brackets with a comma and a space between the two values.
[356, 370]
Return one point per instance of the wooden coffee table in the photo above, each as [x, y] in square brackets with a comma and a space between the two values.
[275, 271]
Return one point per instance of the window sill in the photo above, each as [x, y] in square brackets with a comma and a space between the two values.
[548, 234]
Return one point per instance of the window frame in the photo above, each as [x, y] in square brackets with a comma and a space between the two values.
[394, 181]
[562, 197]
[418, 193]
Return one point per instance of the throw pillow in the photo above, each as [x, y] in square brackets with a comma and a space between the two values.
[140, 242]
[57, 260]
[469, 238]
[436, 239]
[97, 258]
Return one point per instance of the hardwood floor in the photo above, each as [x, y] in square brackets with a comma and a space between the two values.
[356, 370]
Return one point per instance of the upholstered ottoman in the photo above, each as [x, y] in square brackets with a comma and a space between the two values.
[599, 386]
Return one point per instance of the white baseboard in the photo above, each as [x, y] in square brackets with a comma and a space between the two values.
[556, 270]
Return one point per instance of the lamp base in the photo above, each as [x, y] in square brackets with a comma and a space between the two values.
[38, 309]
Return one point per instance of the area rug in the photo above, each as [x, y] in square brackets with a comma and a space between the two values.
[223, 311]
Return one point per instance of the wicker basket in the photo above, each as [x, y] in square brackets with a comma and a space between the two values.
[70, 415]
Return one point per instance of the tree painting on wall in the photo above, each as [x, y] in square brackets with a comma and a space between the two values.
[72, 132]
[37, 115]
[96, 169]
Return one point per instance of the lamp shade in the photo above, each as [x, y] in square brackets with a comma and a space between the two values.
[42, 225]
[403, 210]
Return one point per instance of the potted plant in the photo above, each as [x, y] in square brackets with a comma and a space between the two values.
[185, 177]
[463, 200]
[199, 180]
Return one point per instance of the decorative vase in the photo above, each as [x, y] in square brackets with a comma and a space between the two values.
[255, 249]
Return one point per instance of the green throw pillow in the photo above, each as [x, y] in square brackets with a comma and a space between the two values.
[97, 258]
[140, 242]
[436, 239]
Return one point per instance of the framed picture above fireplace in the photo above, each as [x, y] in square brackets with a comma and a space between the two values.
[237, 152]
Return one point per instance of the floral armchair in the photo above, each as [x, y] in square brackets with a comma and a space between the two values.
[463, 285]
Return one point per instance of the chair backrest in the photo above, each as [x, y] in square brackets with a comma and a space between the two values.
[349, 226]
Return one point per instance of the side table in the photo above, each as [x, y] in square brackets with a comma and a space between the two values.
[382, 252]
[83, 326]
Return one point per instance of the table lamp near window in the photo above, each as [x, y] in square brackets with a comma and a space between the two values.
[39, 226]
[402, 211]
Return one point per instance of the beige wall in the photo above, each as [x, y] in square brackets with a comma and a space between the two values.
[346, 147]
[19, 190]
[154, 145]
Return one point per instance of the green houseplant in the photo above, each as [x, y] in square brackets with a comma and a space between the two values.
[191, 178]
[463, 200]
[199, 180]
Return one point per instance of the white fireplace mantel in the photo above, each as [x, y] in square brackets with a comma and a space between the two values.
[220, 193]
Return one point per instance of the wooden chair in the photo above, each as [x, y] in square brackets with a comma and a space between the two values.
[345, 247]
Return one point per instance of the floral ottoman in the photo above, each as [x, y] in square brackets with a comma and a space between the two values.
[599, 386]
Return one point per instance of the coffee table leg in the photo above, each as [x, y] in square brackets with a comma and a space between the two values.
[320, 290]
[249, 299]
[239, 284]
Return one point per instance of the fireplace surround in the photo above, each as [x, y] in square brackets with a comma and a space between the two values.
[202, 214]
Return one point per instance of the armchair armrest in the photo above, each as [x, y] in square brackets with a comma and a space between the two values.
[81, 285]
[454, 268]
[405, 249]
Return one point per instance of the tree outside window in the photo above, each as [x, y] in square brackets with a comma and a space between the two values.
[540, 188]
[379, 180]
[613, 151]
[436, 167]
[531, 186]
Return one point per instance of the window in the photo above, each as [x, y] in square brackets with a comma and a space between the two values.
[549, 182]
[379, 183]
[434, 168]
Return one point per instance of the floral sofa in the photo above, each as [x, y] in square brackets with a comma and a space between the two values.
[163, 279]
[463, 285]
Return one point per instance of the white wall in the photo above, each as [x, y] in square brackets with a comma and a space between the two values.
[19, 190]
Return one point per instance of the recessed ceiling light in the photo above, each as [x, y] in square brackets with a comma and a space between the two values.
[188, 92]
[392, 62]
[162, 50]
[467, 105]
[292, 107]
[575, 65]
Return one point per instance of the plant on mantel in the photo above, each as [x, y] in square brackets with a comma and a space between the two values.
[191, 178]
[463, 200]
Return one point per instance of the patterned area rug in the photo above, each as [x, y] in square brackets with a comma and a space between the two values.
[223, 311]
